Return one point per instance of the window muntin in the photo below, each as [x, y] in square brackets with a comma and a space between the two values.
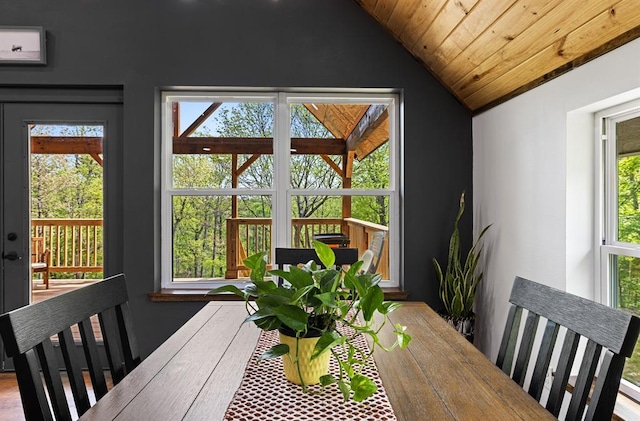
[272, 177]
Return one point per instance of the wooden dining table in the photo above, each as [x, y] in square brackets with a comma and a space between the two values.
[196, 372]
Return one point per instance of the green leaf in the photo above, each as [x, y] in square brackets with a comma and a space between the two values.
[257, 264]
[344, 388]
[363, 387]
[327, 298]
[329, 280]
[227, 288]
[260, 314]
[300, 293]
[354, 268]
[276, 297]
[326, 342]
[354, 282]
[268, 323]
[403, 338]
[438, 270]
[274, 352]
[346, 367]
[374, 278]
[389, 306]
[325, 254]
[371, 301]
[298, 278]
[457, 303]
[292, 316]
[327, 379]
[261, 287]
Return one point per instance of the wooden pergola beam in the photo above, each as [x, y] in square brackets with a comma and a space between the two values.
[248, 145]
[198, 121]
[367, 124]
[66, 145]
[333, 165]
[97, 158]
[247, 164]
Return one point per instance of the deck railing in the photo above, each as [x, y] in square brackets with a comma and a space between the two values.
[247, 236]
[75, 244]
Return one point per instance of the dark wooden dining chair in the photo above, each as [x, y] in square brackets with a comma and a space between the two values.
[27, 336]
[610, 337]
[294, 256]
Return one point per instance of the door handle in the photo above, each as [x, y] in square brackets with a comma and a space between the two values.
[12, 255]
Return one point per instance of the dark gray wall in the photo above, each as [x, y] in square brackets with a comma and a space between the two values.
[144, 45]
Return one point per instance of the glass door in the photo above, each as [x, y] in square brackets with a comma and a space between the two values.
[54, 177]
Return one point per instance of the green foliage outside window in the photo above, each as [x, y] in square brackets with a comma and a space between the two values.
[67, 186]
[627, 269]
[199, 222]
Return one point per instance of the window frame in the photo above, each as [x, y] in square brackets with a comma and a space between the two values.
[607, 211]
[607, 206]
[281, 191]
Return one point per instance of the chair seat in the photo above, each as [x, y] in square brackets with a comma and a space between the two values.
[38, 265]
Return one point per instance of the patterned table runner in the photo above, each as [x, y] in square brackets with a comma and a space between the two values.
[265, 394]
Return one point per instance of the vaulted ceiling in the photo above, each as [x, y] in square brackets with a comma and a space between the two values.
[488, 51]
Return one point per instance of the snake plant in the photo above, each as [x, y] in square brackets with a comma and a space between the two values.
[458, 283]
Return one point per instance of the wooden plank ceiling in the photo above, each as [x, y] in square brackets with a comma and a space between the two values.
[488, 51]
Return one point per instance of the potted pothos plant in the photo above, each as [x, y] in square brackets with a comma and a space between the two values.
[319, 311]
[459, 280]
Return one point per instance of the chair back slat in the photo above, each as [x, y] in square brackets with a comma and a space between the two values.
[74, 371]
[606, 329]
[30, 328]
[53, 380]
[606, 388]
[111, 339]
[508, 345]
[92, 357]
[544, 359]
[126, 336]
[28, 374]
[526, 346]
[582, 388]
[563, 372]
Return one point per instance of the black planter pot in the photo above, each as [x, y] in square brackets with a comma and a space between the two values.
[311, 332]
[464, 325]
[317, 326]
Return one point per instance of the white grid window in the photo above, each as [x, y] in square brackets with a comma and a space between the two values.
[244, 172]
[618, 139]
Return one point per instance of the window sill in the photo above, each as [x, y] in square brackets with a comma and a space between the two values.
[200, 295]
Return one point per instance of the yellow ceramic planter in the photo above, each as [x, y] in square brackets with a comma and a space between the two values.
[311, 370]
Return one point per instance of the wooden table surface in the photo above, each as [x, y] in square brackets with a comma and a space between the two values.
[195, 373]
